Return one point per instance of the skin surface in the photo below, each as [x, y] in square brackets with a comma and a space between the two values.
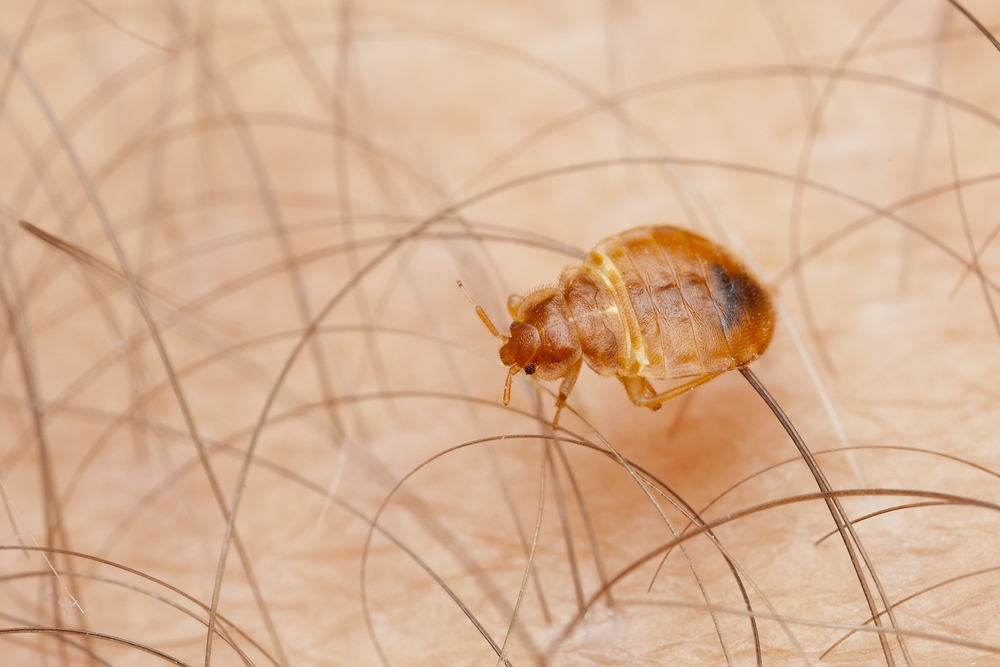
[238, 379]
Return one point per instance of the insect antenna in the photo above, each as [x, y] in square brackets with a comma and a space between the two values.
[493, 330]
[482, 313]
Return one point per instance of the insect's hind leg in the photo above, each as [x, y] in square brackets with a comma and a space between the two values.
[643, 395]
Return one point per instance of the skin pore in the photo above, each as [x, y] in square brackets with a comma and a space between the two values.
[240, 385]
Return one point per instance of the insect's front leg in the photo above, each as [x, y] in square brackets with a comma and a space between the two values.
[565, 388]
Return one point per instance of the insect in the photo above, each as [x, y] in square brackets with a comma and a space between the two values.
[650, 303]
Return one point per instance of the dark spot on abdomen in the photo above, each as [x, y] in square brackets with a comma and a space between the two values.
[736, 294]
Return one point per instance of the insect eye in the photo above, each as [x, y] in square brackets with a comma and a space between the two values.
[529, 369]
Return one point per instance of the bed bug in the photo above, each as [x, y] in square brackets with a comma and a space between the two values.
[650, 303]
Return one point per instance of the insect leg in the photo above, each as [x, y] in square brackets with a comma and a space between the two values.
[513, 303]
[648, 389]
[510, 380]
[567, 386]
[636, 388]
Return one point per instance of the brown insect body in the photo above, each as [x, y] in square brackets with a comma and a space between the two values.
[649, 303]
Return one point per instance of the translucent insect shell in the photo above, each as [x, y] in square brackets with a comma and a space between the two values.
[651, 303]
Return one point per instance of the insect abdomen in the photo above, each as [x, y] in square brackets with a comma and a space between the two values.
[686, 306]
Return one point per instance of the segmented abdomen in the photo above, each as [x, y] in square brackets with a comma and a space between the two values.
[686, 307]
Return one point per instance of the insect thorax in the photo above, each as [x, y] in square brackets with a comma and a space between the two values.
[598, 321]
[547, 311]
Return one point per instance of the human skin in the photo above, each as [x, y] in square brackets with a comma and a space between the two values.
[240, 364]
